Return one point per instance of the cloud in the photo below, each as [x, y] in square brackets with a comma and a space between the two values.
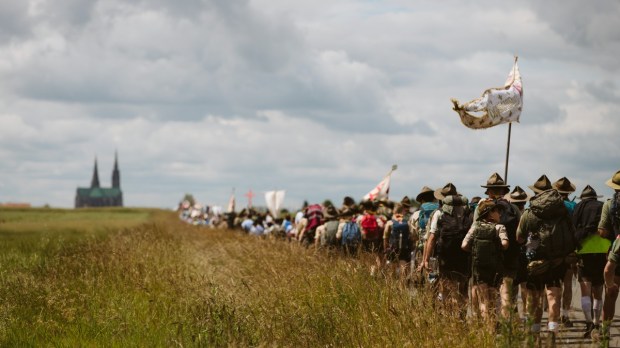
[318, 98]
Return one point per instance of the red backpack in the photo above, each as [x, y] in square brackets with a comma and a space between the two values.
[370, 227]
[314, 214]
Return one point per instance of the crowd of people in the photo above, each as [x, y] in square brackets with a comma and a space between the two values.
[480, 252]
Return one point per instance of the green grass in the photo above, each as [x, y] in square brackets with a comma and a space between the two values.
[143, 278]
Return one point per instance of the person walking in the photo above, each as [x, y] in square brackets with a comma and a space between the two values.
[496, 188]
[609, 227]
[485, 240]
[565, 188]
[447, 231]
[592, 250]
[548, 232]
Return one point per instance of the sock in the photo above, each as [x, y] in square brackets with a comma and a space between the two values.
[597, 311]
[586, 306]
[535, 328]
[553, 326]
[565, 312]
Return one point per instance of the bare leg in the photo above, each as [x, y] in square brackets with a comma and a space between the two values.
[505, 292]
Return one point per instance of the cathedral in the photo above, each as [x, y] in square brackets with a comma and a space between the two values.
[97, 196]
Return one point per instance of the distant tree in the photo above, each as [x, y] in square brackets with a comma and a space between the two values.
[305, 204]
[46, 206]
[190, 198]
[284, 212]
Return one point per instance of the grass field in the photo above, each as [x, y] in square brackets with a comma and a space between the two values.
[130, 277]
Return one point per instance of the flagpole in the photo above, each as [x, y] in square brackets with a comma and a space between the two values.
[507, 153]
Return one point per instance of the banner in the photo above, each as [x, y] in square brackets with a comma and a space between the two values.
[499, 105]
[382, 190]
[274, 201]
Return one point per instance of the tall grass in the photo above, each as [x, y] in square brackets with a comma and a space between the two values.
[164, 283]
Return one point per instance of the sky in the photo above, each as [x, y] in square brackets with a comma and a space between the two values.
[318, 98]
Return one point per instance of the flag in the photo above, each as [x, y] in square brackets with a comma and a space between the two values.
[499, 105]
[382, 190]
[231, 203]
[274, 201]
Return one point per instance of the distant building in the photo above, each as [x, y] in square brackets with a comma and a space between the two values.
[97, 196]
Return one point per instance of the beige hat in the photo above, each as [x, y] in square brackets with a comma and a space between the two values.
[518, 195]
[614, 182]
[448, 190]
[563, 185]
[542, 184]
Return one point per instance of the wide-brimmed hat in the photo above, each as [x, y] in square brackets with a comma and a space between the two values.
[368, 205]
[486, 206]
[448, 190]
[542, 184]
[348, 201]
[614, 182]
[426, 194]
[563, 185]
[405, 202]
[496, 181]
[330, 212]
[518, 195]
[589, 192]
[347, 211]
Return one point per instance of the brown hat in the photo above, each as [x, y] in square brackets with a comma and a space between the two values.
[563, 185]
[614, 182]
[448, 190]
[348, 201]
[486, 206]
[346, 211]
[518, 195]
[405, 202]
[589, 192]
[330, 212]
[542, 184]
[426, 194]
[368, 205]
[496, 181]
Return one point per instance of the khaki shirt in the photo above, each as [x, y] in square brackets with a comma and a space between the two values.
[605, 222]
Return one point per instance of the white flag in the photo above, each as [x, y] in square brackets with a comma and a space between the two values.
[274, 201]
[499, 105]
[231, 204]
[382, 190]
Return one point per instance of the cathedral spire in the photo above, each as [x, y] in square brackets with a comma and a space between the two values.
[95, 181]
[116, 174]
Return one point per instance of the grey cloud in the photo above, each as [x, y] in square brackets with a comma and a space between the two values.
[605, 91]
[14, 20]
[537, 111]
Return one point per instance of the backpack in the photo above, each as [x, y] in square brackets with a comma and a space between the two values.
[615, 214]
[510, 217]
[452, 227]
[486, 252]
[553, 227]
[370, 227]
[351, 235]
[329, 237]
[426, 210]
[586, 217]
[314, 214]
[400, 236]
